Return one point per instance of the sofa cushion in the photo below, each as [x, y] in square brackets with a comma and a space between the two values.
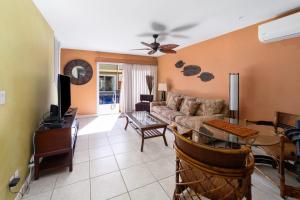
[189, 106]
[159, 109]
[171, 114]
[210, 106]
[174, 102]
[195, 122]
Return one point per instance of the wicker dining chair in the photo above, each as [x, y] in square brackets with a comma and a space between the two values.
[287, 153]
[214, 173]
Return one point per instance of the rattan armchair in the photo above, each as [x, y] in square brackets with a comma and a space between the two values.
[213, 173]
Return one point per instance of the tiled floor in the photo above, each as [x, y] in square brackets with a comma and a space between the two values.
[108, 164]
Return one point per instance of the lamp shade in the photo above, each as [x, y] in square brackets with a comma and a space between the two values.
[234, 91]
[162, 87]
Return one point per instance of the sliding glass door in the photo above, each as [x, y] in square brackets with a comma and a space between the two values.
[109, 84]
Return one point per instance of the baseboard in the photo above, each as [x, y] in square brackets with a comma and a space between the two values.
[25, 185]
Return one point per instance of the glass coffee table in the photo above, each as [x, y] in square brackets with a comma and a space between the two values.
[146, 125]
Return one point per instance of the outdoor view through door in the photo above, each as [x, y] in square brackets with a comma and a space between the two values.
[109, 85]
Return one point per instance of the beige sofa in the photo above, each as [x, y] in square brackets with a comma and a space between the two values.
[189, 112]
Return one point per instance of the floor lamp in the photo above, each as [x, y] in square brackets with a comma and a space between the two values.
[234, 95]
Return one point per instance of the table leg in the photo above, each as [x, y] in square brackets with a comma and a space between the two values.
[127, 122]
[164, 136]
[142, 147]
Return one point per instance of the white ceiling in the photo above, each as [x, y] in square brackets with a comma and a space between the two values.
[115, 25]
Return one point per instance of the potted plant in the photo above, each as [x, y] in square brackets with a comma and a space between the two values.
[150, 83]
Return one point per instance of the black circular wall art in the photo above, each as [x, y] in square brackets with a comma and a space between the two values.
[80, 71]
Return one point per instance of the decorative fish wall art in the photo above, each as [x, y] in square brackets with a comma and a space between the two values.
[179, 64]
[206, 76]
[191, 70]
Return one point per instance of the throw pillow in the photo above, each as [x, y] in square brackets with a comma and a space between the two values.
[174, 102]
[189, 106]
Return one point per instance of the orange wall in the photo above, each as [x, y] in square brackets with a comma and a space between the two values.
[84, 96]
[269, 73]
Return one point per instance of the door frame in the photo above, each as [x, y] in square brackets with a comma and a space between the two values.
[98, 79]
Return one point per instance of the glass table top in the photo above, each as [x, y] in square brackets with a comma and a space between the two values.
[144, 119]
[266, 135]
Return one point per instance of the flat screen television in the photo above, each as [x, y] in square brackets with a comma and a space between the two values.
[64, 95]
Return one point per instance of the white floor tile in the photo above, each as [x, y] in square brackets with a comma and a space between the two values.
[137, 176]
[161, 168]
[103, 166]
[76, 191]
[82, 145]
[168, 185]
[122, 197]
[121, 138]
[129, 159]
[107, 186]
[81, 156]
[43, 184]
[100, 142]
[100, 152]
[41, 196]
[124, 147]
[149, 192]
[80, 172]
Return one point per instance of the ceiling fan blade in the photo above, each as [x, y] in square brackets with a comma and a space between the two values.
[184, 27]
[158, 26]
[151, 52]
[167, 51]
[163, 34]
[148, 45]
[142, 49]
[180, 36]
[168, 46]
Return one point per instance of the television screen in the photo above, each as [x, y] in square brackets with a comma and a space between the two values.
[64, 94]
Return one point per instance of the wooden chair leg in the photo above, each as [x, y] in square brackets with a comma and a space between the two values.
[281, 167]
[36, 168]
[71, 161]
[249, 190]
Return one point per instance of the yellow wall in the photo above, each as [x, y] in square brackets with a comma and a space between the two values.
[26, 74]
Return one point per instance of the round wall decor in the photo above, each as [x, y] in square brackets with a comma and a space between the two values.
[79, 71]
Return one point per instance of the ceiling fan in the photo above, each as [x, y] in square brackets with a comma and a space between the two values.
[155, 46]
[165, 32]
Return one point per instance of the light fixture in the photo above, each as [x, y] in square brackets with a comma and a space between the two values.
[234, 95]
[163, 88]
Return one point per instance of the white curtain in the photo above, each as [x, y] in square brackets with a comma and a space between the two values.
[134, 84]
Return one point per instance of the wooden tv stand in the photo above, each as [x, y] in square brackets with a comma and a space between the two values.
[55, 146]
